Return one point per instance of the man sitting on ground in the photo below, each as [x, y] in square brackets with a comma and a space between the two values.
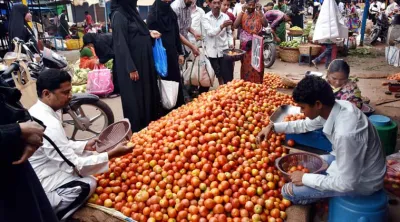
[64, 188]
[357, 163]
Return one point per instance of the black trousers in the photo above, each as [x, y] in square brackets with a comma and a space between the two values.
[223, 68]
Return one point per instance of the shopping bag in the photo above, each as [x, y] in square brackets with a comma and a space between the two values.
[160, 58]
[100, 82]
[26, 85]
[199, 72]
[168, 92]
[392, 56]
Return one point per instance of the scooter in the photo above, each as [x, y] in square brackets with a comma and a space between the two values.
[380, 29]
[269, 48]
[76, 113]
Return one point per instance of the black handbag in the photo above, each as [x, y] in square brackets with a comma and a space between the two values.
[15, 112]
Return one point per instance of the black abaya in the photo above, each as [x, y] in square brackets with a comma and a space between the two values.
[132, 46]
[64, 27]
[22, 196]
[19, 27]
[163, 19]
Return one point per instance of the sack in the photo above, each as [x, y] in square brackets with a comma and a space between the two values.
[168, 92]
[330, 25]
[392, 56]
[26, 85]
[100, 82]
[160, 58]
[392, 177]
[200, 72]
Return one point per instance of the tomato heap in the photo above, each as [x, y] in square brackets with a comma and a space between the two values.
[273, 81]
[394, 76]
[293, 117]
[201, 162]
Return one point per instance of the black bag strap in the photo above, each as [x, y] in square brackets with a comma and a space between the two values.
[57, 149]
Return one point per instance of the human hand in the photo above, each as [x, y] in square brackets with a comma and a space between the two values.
[155, 34]
[264, 133]
[297, 178]
[181, 60]
[277, 39]
[90, 145]
[120, 150]
[32, 133]
[195, 51]
[197, 36]
[28, 152]
[227, 23]
[134, 76]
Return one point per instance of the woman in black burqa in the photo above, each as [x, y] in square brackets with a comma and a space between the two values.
[163, 19]
[19, 27]
[103, 46]
[137, 77]
[22, 196]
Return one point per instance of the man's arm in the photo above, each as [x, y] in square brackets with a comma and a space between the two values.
[299, 126]
[350, 155]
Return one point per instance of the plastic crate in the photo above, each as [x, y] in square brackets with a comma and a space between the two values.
[315, 139]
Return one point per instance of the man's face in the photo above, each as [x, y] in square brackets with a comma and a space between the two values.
[242, 1]
[309, 111]
[60, 97]
[225, 6]
[216, 6]
[188, 3]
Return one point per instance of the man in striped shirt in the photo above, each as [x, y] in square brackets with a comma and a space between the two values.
[183, 11]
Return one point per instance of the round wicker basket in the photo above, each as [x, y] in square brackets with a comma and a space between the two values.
[295, 32]
[289, 54]
[305, 49]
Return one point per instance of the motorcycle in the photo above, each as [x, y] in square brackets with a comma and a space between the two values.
[269, 48]
[380, 29]
[84, 111]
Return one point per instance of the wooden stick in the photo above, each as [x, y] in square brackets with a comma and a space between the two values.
[387, 101]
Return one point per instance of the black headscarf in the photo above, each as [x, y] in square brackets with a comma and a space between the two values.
[129, 10]
[162, 14]
[18, 27]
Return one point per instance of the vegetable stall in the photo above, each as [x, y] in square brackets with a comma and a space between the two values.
[201, 162]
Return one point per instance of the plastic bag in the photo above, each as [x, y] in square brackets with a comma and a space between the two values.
[200, 72]
[392, 177]
[160, 58]
[168, 92]
[100, 82]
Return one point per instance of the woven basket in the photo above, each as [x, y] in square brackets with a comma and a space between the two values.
[288, 82]
[311, 161]
[295, 32]
[113, 135]
[305, 49]
[289, 54]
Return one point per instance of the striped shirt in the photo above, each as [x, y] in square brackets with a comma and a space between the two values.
[184, 16]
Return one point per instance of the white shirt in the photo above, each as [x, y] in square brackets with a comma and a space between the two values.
[197, 16]
[341, 7]
[50, 168]
[216, 39]
[360, 163]
[237, 9]
[391, 8]
[373, 8]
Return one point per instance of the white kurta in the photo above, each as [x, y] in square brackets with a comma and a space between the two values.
[50, 168]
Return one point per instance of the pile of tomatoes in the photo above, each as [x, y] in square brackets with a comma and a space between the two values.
[294, 117]
[201, 162]
[394, 76]
[273, 81]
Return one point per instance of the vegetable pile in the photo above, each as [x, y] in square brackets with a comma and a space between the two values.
[201, 162]
[290, 44]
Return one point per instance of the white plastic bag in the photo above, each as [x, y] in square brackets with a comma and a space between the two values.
[392, 56]
[199, 72]
[330, 24]
[168, 92]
